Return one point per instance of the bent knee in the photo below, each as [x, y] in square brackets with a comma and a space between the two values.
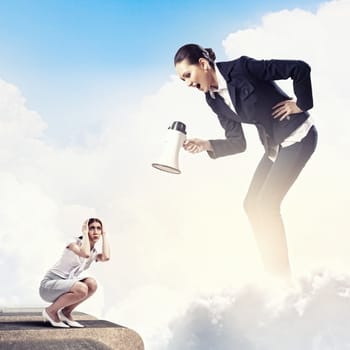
[261, 208]
[250, 206]
[91, 284]
[80, 289]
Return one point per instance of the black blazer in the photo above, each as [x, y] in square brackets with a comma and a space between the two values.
[253, 92]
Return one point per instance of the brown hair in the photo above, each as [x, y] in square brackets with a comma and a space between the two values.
[192, 53]
[92, 220]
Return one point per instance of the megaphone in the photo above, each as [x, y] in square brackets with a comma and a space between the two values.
[169, 159]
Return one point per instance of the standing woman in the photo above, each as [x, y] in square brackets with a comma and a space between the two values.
[244, 91]
[66, 285]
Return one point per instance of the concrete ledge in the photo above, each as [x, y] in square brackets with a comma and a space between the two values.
[23, 329]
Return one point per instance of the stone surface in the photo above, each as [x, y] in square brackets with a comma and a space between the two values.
[24, 329]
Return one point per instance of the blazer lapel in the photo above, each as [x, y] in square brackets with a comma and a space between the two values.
[225, 69]
[233, 92]
[219, 106]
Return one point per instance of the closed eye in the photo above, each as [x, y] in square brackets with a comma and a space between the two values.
[185, 76]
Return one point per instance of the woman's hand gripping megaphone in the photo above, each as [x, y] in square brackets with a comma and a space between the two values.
[197, 145]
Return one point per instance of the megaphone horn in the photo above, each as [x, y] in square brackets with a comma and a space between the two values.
[169, 159]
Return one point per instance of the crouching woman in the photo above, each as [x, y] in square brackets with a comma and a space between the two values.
[66, 284]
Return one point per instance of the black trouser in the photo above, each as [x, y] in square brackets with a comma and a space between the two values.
[269, 185]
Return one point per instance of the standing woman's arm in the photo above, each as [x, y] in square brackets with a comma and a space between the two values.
[106, 253]
[299, 71]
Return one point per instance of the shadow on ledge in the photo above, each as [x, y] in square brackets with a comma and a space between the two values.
[23, 329]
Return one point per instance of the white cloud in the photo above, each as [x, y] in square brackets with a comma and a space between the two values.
[33, 200]
[16, 120]
[312, 316]
[176, 236]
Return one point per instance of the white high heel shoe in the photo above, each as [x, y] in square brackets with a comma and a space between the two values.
[53, 323]
[70, 323]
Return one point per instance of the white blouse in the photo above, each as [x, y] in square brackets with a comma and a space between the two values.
[71, 265]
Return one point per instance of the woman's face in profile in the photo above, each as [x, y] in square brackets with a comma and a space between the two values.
[195, 75]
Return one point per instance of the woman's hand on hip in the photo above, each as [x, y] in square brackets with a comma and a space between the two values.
[285, 108]
[197, 145]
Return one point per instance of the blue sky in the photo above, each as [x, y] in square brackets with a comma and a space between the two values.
[78, 35]
[77, 60]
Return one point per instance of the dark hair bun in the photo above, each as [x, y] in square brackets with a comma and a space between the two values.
[194, 52]
[211, 54]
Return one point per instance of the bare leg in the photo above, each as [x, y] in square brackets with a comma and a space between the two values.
[78, 292]
[92, 286]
